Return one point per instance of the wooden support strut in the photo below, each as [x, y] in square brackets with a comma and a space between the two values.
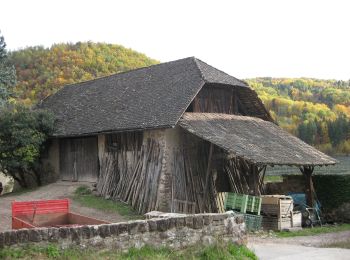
[307, 171]
[208, 173]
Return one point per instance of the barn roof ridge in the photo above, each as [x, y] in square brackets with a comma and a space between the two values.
[145, 98]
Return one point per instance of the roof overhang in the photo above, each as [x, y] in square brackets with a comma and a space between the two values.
[255, 140]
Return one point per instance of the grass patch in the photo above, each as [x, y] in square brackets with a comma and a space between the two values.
[273, 178]
[84, 196]
[52, 251]
[314, 231]
[343, 244]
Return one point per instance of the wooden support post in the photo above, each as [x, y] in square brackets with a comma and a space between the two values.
[255, 182]
[208, 174]
[309, 186]
[235, 102]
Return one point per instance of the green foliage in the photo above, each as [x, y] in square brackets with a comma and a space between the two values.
[7, 74]
[84, 196]
[83, 190]
[317, 111]
[42, 71]
[332, 190]
[52, 251]
[22, 136]
[230, 252]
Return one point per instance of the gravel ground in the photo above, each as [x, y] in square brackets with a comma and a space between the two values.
[300, 248]
[58, 190]
[314, 241]
[271, 251]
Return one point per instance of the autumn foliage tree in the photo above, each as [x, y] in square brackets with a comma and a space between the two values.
[317, 111]
[7, 74]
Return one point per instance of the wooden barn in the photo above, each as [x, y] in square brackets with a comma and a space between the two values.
[170, 137]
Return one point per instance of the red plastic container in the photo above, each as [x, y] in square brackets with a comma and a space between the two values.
[47, 213]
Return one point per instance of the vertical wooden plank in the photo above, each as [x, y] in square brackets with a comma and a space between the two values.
[207, 175]
[65, 160]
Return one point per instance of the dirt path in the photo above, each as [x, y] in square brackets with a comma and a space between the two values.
[270, 251]
[58, 190]
[301, 248]
[315, 241]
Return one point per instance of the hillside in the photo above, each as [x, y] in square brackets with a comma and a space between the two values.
[42, 71]
[317, 111]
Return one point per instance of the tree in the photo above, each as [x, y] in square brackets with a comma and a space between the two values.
[7, 74]
[307, 131]
[23, 133]
[339, 129]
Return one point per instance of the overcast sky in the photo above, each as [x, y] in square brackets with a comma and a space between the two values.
[245, 38]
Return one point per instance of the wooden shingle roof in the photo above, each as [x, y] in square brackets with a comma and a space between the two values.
[255, 140]
[146, 98]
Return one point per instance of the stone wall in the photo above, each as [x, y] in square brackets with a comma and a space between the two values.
[174, 232]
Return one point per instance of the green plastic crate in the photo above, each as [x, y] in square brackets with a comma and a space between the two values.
[252, 222]
[254, 205]
[236, 202]
[242, 203]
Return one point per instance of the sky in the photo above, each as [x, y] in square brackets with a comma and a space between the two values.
[245, 38]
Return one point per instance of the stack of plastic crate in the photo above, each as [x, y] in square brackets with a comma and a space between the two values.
[248, 205]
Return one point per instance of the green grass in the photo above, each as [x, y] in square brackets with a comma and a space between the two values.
[273, 178]
[343, 244]
[84, 196]
[52, 251]
[314, 231]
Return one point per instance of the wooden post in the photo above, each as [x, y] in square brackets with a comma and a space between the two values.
[309, 186]
[255, 182]
[208, 174]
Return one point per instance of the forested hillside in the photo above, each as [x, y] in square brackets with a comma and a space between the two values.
[42, 71]
[317, 111]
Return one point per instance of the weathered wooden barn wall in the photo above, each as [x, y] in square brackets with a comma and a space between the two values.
[188, 174]
[131, 169]
[52, 156]
[78, 159]
[199, 171]
[50, 162]
[215, 99]
[220, 98]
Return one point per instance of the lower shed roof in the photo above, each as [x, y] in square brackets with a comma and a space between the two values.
[255, 140]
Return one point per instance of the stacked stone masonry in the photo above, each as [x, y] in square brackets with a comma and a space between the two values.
[174, 232]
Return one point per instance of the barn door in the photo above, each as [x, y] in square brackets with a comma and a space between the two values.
[79, 159]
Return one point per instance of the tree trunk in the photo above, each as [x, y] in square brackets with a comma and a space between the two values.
[21, 181]
[37, 178]
[309, 186]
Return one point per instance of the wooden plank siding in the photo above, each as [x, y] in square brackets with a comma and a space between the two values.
[79, 159]
[215, 99]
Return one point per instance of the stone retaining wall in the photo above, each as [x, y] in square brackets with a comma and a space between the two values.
[174, 232]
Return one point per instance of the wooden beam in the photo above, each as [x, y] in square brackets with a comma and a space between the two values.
[208, 173]
[309, 186]
[235, 102]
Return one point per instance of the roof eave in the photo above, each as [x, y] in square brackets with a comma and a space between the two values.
[111, 131]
